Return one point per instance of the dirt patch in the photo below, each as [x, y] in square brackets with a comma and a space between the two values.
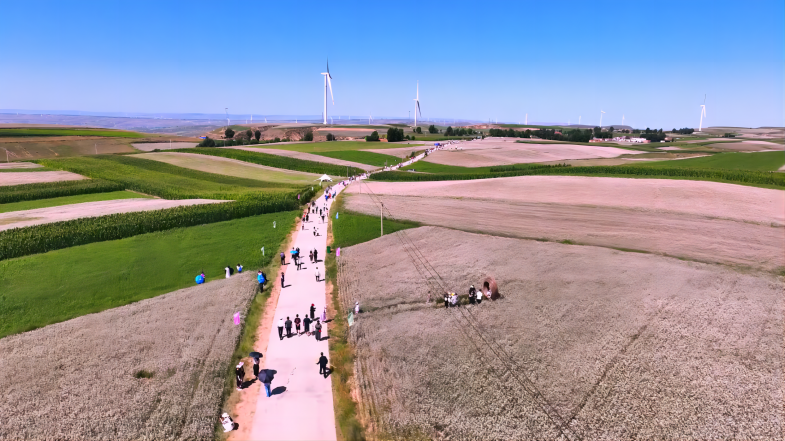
[307, 157]
[91, 390]
[150, 146]
[15, 165]
[500, 151]
[590, 343]
[35, 177]
[704, 221]
[25, 218]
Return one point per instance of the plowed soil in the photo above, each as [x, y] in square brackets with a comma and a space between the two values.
[77, 379]
[586, 343]
[501, 151]
[35, 177]
[704, 221]
[18, 219]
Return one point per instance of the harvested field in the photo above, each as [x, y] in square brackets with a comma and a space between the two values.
[747, 146]
[58, 147]
[18, 219]
[307, 157]
[17, 165]
[597, 343]
[150, 146]
[90, 389]
[232, 167]
[500, 151]
[35, 177]
[698, 220]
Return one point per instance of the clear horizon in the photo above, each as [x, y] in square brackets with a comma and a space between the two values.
[649, 62]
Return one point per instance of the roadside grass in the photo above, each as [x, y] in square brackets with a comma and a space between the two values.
[68, 200]
[42, 289]
[759, 161]
[212, 164]
[370, 158]
[349, 229]
[70, 132]
[161, 179]
[17, 170]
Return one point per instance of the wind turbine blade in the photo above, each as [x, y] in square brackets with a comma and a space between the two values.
[418, 108]
[330, 83]
[328, 66]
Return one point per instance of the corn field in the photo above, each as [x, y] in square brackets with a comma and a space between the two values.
[732, 176]
[46, 190]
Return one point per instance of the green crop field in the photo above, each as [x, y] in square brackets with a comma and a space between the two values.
[59, 285]
[759, 161]
[68, 200]
[161, 179]
[431, 167]
[353, 228]
[362, 157]
[332, 146]
[34, 169]
[70, 132]
[218, 165]
[276, 161]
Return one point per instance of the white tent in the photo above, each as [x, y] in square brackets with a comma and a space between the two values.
[325, 178]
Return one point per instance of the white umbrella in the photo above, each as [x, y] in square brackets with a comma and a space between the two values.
[325, 178]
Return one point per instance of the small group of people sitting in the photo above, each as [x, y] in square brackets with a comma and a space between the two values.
[475, 297]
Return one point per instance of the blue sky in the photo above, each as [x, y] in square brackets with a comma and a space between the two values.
[556, 61]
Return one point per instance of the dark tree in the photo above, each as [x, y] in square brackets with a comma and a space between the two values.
[448, 132]
[419, 130]
[229, 133]
[257, 134]
[432, 129]
[394, 134]
[373, 136]
[249, 133]
[308, 136]
[330, 137]
[207, 142]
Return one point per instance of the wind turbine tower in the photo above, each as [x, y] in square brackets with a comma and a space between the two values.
[527, 119]
[622, 120]
[601, 113]
[703, 113]
[417, 104]
[226, 109]
[327, 82]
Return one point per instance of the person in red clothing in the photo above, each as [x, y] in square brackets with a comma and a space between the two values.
[297, 323]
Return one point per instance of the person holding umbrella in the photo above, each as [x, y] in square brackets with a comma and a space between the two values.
[266, 378]
[256, 356]
[239, 373]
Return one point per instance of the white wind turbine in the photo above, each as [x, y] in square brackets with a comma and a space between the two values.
[370, 118]
[417, 104]
[703, 113]
[622, 120]
[601, 113]
[327, 82]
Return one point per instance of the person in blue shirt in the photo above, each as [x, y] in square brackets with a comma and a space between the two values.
[200, 279]
[260, 277]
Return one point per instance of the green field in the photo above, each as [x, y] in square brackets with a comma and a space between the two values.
[212, 164]
[353, 228]
[430, 167]
[34, 169]
[68, 200]
[362, 157]
[70, 132]
[59, 285]
[282, 162]
[335, 146]
[161, 179]
[759, 161]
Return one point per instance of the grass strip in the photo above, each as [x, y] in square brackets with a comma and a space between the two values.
[13, 133]
[48, 190]
[744, 177]
[42, 289]
[43, 238]
[370, 158]
[68, 200]
[274, 160]
[756, 161]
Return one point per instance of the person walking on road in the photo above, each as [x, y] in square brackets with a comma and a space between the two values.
[297, 322]
[255, 367]
[317, 274]
[266, 377]
[307, 325]
[283, 259]
[313, 310]
[239, 374]
[310, 255]
[288, 324]
[317, 330]
[322, 365]
[282, 282]
[315, 255]
[280, 328]
[324, 314]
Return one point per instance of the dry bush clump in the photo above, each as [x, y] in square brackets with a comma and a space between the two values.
[587, 343]
[151, 370]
